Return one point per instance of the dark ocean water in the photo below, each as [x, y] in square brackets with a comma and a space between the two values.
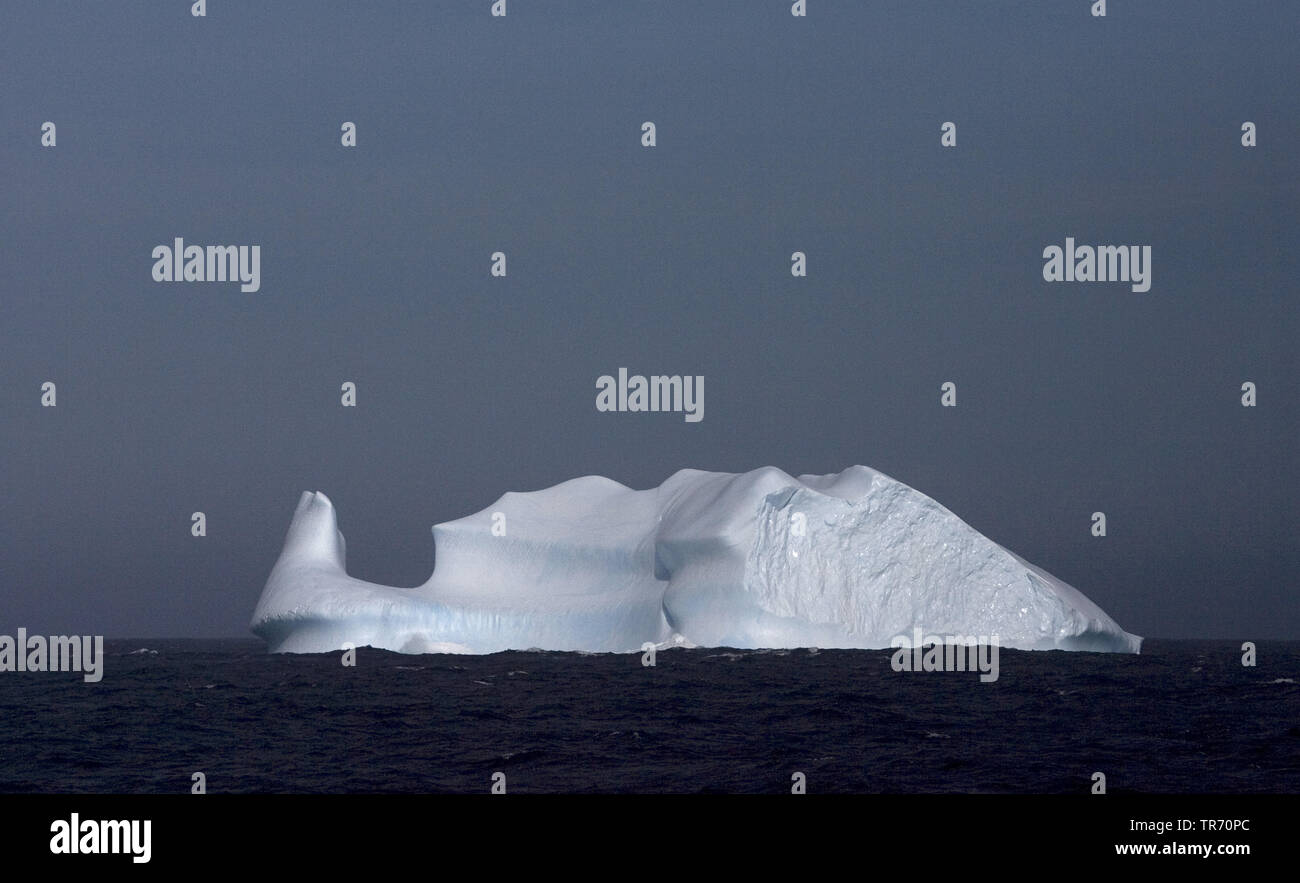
[1183, 717]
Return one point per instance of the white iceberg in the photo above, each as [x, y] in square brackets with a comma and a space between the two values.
[753, 560]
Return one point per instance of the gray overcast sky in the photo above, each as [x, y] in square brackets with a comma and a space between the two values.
[775, 134]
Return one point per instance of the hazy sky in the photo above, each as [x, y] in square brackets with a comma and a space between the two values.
[523, 135]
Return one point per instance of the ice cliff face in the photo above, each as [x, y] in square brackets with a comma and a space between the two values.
[759, 559]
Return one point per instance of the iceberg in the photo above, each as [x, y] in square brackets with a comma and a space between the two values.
[751, 560]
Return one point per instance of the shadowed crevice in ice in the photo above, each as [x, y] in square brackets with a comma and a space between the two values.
[759, 559]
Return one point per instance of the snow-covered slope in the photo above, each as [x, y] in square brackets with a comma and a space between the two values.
[759, 559]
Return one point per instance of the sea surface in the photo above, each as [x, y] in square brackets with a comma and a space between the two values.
[1182, 717]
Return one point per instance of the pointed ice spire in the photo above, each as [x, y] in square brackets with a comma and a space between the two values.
[314, 535]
